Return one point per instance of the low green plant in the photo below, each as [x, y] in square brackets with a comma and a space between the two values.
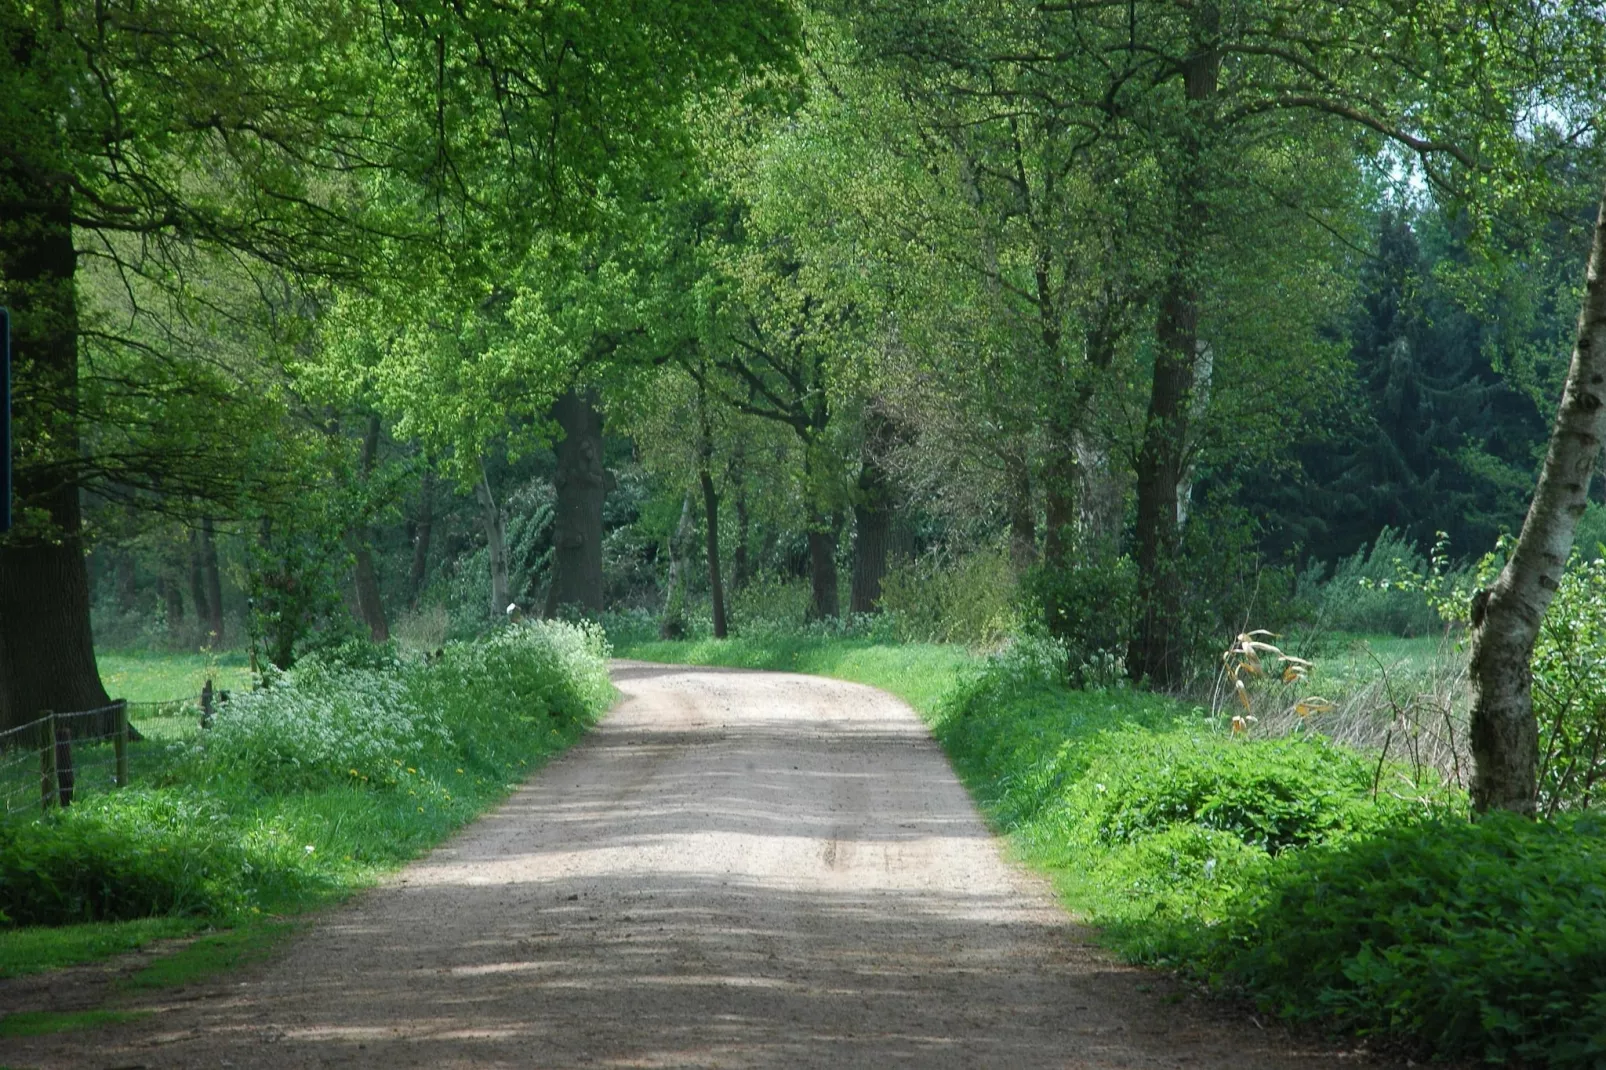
[1569, 690]
[1389, 588]
[1485, 940]
[137, 854]
[1088, 607]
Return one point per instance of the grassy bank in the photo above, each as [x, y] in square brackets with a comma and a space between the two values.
[299, 794]
[1328, 886]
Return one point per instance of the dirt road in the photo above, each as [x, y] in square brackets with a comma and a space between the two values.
[734, 870]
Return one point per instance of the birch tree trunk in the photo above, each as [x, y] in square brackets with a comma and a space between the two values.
[1506, 617]
[495, 544]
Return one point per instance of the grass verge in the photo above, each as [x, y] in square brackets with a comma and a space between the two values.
[299, 795]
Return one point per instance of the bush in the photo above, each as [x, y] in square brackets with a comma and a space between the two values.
[1364, 594]
[1569, 690]
[1484, 940]
[1271, 794]
[968, 599]
[1089, 608]
[134, 855]
[362, 713]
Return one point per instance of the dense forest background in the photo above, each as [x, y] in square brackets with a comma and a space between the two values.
[1133, 326]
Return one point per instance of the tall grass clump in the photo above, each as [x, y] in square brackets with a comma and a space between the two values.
[1364, 595]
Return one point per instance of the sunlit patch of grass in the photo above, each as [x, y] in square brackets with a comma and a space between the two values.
[213, 954]
[39, 1023]
[142, 676]
[39, 948]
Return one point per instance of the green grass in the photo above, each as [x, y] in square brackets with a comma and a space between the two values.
[142, 676]
[38, 1023]
[918, 673]
[39, 948]
[213, 954]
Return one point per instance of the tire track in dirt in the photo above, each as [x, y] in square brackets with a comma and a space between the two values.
[734, 870]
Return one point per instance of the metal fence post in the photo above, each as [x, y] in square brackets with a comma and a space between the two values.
[47, 760]
[120, 742]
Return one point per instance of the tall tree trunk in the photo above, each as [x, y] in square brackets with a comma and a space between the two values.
[423, 528]
[1506, 617]
[495, 525]
[365, 578]
[827, 602]
[741, 563]
[705, 476]
[582, 484]
[1061, 476]
[213, 579]
[47, 651]
[1022, 513]
[203, 613]
[716, 583]
[1156, 650]
[672, 625]
[872, 516]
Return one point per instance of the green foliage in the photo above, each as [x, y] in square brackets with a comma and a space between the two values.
[35, 950]
[40, 1023]
[351, 762]
[1569, 690]
[1273, 794]
[1380, 589]
[1484, 940]
[1089, 607]
[970, 599]
[140, 853]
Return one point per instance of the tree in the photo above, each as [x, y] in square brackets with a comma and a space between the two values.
[1507, 615]
[292, 137]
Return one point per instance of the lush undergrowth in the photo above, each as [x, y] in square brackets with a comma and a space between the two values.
[299, 793]
[1297, 871]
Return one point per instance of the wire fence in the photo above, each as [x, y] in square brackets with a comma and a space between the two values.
[60, 758]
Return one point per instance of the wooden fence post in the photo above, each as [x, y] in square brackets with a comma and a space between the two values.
[47, 760]
[120, 742]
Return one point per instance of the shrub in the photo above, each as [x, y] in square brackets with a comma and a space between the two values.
[355, 749]
[1089, 608]
[968, 599]
[1272, 794]
[361, 712]
[1569, 690]
[114, 858]
[1364, 593]
[1486, 940]
[317, 725]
